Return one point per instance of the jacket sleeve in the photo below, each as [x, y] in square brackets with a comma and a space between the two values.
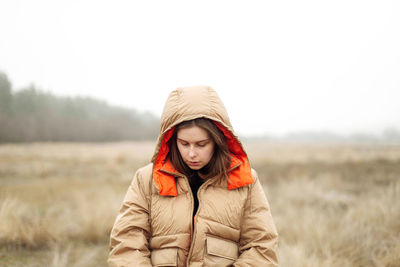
[258, 237]
[131, 230]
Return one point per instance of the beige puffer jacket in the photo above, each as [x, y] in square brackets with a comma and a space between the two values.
[233, 225]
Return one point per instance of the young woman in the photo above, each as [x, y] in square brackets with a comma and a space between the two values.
[198, 203]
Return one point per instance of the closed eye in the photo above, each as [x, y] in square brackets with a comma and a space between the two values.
[203, 144]
[182, 142]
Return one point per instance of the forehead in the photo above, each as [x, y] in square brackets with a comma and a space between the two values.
[193, 134]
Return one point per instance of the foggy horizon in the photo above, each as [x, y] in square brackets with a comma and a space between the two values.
[321, 135]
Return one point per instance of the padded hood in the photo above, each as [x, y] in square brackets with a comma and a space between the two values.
[188, 103]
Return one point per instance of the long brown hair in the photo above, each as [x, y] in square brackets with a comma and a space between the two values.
[220, 161]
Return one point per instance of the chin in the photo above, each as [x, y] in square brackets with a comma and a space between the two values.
[196, 168]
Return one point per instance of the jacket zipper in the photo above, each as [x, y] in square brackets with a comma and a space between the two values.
[191, 220]
[193, 227]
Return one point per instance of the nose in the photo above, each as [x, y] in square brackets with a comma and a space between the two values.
[192, 152]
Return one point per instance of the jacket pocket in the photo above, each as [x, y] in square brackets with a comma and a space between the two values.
[220, 251]
[164, 257]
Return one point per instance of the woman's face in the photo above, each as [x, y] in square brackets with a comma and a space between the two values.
[195, 146]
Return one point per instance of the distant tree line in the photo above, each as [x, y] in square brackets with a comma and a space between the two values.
[31, 115]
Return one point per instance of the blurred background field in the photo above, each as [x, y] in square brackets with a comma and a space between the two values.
[334, 204]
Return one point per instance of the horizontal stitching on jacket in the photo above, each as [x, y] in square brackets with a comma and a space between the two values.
[217, 222]
[170, 235]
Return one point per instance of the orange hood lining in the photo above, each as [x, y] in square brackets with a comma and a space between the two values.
[163, 170]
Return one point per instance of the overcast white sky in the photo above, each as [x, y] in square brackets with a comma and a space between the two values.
[279, 66]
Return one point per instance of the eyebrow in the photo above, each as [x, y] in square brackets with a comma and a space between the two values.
[196, 142]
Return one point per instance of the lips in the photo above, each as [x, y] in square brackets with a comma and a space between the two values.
[193, 163]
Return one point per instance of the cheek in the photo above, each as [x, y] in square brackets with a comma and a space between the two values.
[181, 150]
[209, 153]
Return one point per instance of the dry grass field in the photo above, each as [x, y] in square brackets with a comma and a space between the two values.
[334, 205]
